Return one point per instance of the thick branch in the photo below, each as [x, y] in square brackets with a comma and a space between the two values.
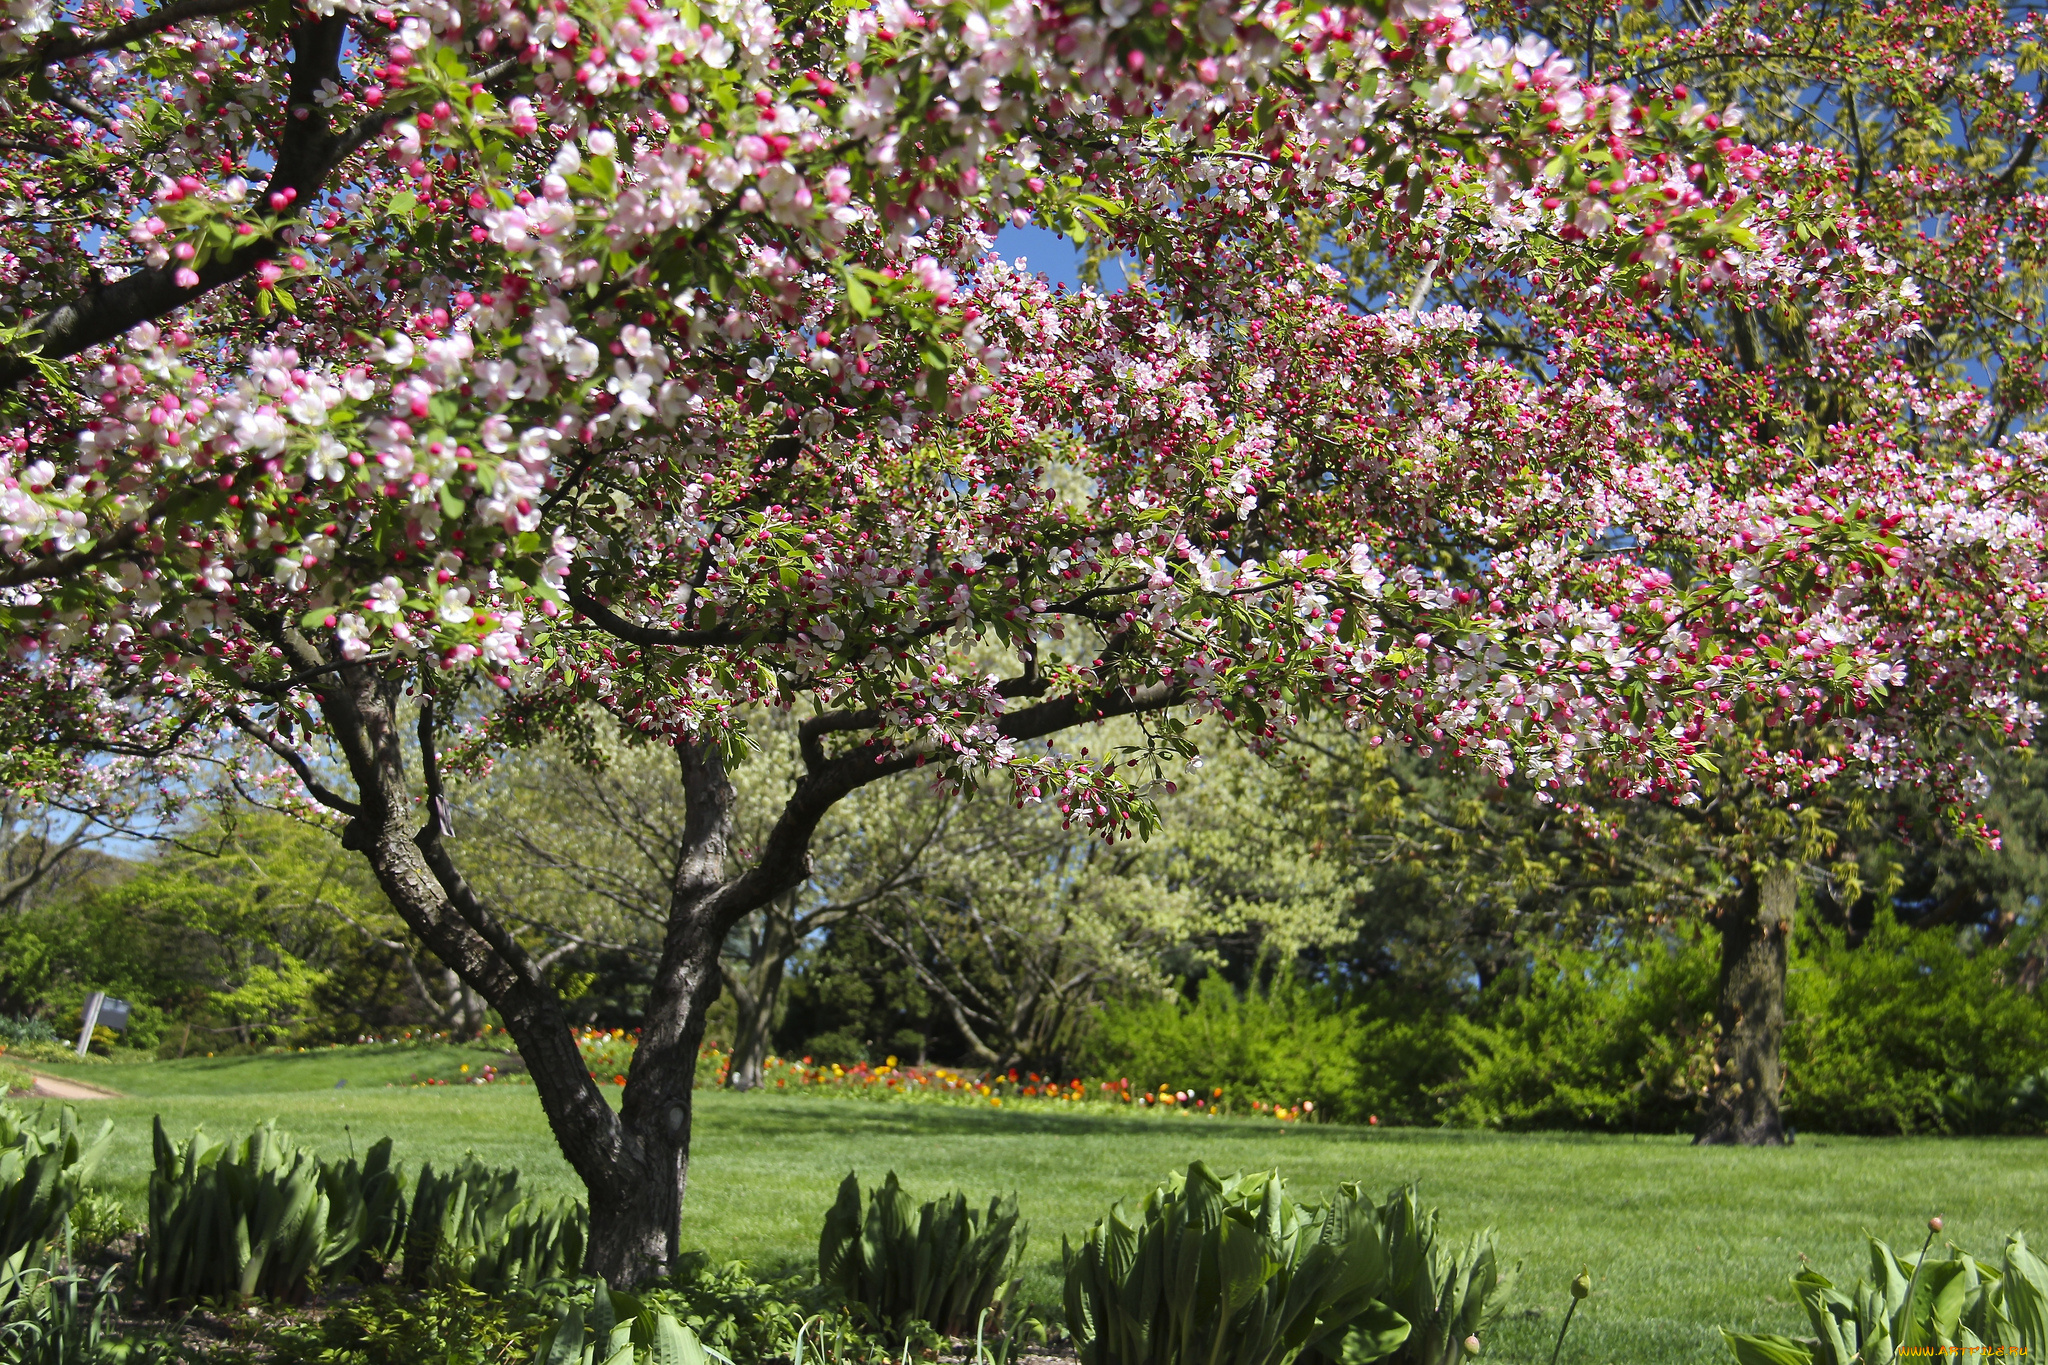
[308, 151]
[63, 45]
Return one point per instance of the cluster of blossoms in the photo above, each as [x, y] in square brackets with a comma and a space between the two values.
[698, 387]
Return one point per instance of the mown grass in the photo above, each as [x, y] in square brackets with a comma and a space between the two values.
[1680, 1241]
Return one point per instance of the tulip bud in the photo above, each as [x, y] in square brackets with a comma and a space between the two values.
[1472, 1346]
[1934, 1225]
[1582, 1284]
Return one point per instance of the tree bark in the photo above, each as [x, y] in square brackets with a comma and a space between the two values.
[1756, 931]
[757, 992]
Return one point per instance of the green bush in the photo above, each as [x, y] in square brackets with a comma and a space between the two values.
[944, 1264]
[1909, 1032]
[1951, 1307]
[1589, 1040]
[13, 1030]
[1235, 1272]
[1283, 1045]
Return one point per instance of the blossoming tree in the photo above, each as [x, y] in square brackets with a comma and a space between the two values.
[386, 379]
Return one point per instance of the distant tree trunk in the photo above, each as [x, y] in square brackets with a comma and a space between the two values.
[1756, 932]
[756, 987]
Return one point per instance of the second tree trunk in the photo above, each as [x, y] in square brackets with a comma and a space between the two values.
[1756, 932]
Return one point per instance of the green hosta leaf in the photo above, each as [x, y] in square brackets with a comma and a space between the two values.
[1376, 1334]
[1768, 1350]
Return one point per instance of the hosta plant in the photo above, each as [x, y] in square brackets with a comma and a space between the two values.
[1231, 1272]
[941, 1263]
[1948, 1307]
[365, 1212]
[42, 1175]
[474, 1226]
[1446, 1295]
[616, 1329]
[241, 1220]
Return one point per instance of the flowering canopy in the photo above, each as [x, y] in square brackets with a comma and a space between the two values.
[657, 356]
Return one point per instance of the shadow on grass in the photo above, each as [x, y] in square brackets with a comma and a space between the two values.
[775, 1115]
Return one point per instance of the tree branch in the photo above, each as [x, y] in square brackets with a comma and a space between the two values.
[319, 790]
[63, 45]
[308, 151]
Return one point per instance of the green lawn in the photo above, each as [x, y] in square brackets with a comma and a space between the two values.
[1680, 1241]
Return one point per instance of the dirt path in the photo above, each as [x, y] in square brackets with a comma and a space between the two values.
[58, 1088]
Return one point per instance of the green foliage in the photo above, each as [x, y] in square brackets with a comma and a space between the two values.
[42, 1175]
[1288, 1043]
[1910, 1032]
[475, 1226]
[45, 1319]
[243, 1220]
[1589, 1040]
[944, 1264]
[13, 1031]
[732, 1313]
[1447, 1296]
[451, 1324]
[1952, 1307]
[608, 1328]
[365, 1212]
[248, 925]
[1235, 1272]
[98, 1220]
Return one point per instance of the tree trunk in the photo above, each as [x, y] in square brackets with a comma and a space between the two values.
[1742, 1100]
[633, 1162]
[757, 992]
[635, 1219]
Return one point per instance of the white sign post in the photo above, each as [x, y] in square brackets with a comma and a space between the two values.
[92, 1018]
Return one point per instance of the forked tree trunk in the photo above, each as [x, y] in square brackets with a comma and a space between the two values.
[1756, 932]
[633, 1162]
[756, 987]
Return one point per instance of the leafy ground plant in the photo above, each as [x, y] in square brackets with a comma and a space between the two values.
[1950, 1307]
[477, 1226]
[43, 1171]
[943, 1264]
[1235, 1272]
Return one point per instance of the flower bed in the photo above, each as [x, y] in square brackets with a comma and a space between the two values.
[608, 1054]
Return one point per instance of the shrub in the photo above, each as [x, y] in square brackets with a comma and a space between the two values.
[944, 1265]
[1908, 1032]
[1288, 1043]
[14, 1031]
[475, 1227]
[1588, 1040]
[42, 1175]
[1235, 1272]
[1955, 1307]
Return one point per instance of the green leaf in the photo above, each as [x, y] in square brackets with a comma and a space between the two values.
[1375, 1334]
[1768, 1350]
[858, 298]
